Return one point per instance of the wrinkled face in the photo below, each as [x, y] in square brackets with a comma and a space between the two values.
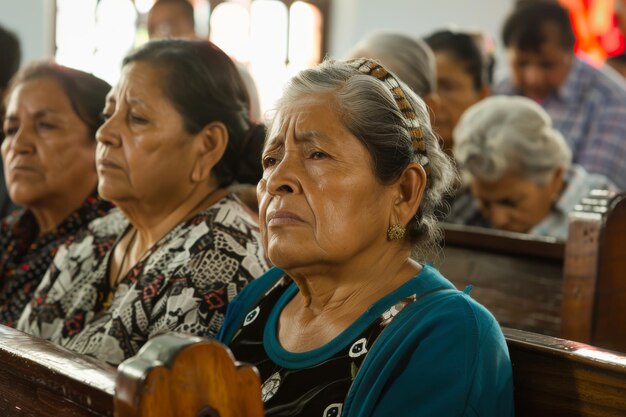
[538, 74]
[456, 89]
[319, 201]
[47, 150]
[144, 154]
[515, 203]
[169, 21]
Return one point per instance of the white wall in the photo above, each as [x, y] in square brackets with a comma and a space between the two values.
[31, 21]
[352, 19]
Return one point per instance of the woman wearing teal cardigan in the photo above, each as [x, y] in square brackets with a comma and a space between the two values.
[351, 324]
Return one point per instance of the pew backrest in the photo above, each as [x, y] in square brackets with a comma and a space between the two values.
[574, 289]
[518, 277]
[177, 375]
[39, 378]
[561, 378]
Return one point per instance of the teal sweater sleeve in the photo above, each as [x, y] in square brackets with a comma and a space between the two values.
[446, 357]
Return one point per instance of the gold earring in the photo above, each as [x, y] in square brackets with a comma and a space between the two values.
[396, 232]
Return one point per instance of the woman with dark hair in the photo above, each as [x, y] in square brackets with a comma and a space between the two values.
[180, 246]
[351, 324]
[52, 116]
[464, 72]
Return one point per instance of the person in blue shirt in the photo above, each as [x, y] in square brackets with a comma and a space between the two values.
[586, 104]
[348, 323]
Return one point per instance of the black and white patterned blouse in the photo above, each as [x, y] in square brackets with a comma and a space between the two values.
[183, 284]
[25, 255]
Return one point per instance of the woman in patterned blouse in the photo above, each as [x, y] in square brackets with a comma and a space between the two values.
[351, 325]
[180, 246]
[52, 116]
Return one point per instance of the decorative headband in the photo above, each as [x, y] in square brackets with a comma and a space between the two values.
[373, 68]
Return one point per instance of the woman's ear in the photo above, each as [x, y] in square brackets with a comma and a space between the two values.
[410, 190]
[211, 143]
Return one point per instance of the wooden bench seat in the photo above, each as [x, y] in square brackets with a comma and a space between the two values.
[552, 377]
[572, 289]
[185, 376]
[39, 378]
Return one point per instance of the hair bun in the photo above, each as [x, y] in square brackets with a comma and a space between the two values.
[249, 168]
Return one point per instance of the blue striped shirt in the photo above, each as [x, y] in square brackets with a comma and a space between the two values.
[589, 109]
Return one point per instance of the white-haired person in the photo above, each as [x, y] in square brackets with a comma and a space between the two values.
[519, 169]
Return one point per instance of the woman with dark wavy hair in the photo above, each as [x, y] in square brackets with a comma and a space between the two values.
[180, 246]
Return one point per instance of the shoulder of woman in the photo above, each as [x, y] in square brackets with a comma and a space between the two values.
[109, 225]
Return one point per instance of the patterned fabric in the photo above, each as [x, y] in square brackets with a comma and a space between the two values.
[423, 350]
[184, 283]
[590, 111]
[301, 392]
[25, 256]
[578, 185]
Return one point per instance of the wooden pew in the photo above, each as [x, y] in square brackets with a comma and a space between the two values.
[184, 376]
[570, 289]
[552, 377]
[38, 378]
[560, 378]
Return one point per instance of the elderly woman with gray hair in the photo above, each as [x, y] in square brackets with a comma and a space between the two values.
[409, 58]
[520, 170]
[348, 323]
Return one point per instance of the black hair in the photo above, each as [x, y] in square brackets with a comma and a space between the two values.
[86, 92]
[10, 56]
[204, 86]
[465, 48]
[527, 27]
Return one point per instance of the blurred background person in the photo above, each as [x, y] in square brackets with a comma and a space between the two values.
[10, 57]
[587, 104]
[180, 245]
[464, 72]
[408, 57]
[52, 116]
[175, 19]
[520, 169]
[171, 19]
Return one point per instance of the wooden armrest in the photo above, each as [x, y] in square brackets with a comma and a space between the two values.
[37, 376]
[177, 375]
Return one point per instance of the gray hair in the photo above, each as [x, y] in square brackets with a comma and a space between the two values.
[367, 108]
[503, 134]
[409, 58]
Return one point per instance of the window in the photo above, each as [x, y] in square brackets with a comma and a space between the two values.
[273, 39]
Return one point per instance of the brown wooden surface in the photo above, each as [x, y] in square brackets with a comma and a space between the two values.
[609, 328]
[517, 277]
[560, 378]
[38, 378]
[184, 376]
[580, 274]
